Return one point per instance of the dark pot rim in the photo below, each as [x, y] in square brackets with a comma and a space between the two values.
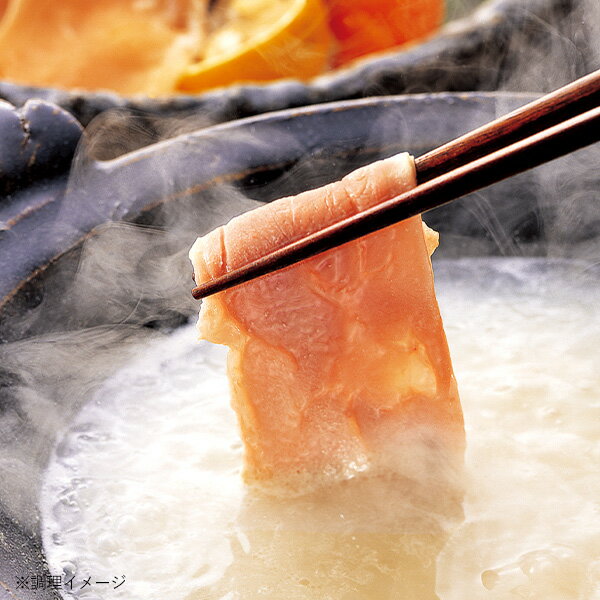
[336, 128]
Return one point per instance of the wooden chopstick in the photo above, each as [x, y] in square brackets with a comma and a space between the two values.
[558, 106]
[543, 146]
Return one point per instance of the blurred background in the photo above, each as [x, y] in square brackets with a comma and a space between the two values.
[176, 57]
[161, 47]
[159, 68]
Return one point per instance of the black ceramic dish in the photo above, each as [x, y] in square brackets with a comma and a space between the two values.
[187, 185]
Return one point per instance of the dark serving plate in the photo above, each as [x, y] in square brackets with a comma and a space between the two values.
[91, 260]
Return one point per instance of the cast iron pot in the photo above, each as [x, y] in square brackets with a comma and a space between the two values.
[143, 210]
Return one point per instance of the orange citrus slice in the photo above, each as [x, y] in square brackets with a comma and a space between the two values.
[365, 26]
[263, 40]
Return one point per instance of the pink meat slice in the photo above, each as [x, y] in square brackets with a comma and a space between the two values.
[338, 364]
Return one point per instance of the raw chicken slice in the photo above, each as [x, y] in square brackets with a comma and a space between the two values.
[338, 364]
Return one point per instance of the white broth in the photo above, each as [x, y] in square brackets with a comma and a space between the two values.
[146, 483]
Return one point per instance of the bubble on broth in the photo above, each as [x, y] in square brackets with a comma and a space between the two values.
[146, 483]
[523, 336]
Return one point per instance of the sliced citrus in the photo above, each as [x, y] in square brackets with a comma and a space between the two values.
[263, 40]
[365, 26]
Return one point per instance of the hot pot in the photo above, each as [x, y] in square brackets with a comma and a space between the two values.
[182, 187]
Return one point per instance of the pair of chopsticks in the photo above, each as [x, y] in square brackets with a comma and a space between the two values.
[552, 126]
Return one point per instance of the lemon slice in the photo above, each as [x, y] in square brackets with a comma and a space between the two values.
[263, 40]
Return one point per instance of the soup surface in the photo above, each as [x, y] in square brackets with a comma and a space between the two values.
[144, 490]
